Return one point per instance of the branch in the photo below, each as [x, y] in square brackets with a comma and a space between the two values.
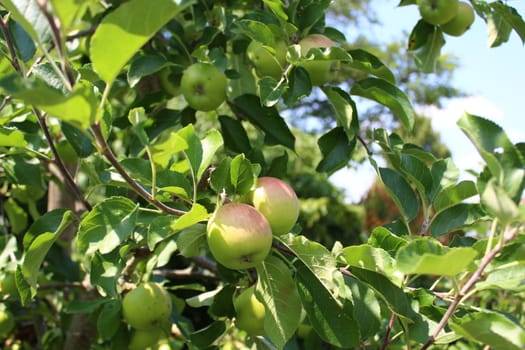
[108, 153]
[476, 276]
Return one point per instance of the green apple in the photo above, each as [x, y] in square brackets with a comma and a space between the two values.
[239, 236]
[146, 307]
[7, 321]
[250, 312]
[461, 22]
[438, 11]
[170, 81]
[277, 201]
[143, 339]
[265, 62]
[203, 86]
[319, 71]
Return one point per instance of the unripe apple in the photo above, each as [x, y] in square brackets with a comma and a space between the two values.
[461, 22]
[267, 63]
[250, 312]
[239, 237]
[141, 339]
[203, 86]
[438, 11]
[320, 71]
[146, 307]
[277, 201]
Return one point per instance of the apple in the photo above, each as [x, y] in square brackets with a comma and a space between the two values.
[7, 321]
[203, 86]
[250, 312]
[170, 81]
[239, 236]
[146, 307]
[438, 11]
[319, 71]
[265, 62]
[461, 22]
[277, 201]
[142, 339]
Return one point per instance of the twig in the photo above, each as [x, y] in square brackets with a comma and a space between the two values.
[10, 46]
[476, 276]
[108, 153]
[362, 141]
[388, 331]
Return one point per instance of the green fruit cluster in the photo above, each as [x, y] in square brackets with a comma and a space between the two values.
[453, 16]
[146, 309]
[240, 235]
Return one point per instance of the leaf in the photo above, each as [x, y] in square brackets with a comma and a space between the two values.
[196, 214]
[191, 239]
[498, 203]
[425, 42]
[37, 249]
[393, 296]
[277, 291]
[257, 31]
[144, 65]
[504, 18]
[235, 137]
[109, 319]
[299, 86]
[109, 224]
[381, 237]
[389, 95]
[337, 150]
[271, 90]
[11, 137]
[332, 318]
[265, 118]
[67, 11]
[28, 14]
[204, 337]
[426, 256]
[367, 309]
[277, 7]
[105, 272]
[374, 259]
[125, 30]
[455, 218]
[210, 144]
[194, 151]
[400, 191]
[24, 45]
[344, 108]
[367, 62]
[160, 229]
[78, 140]
[164, 149]
[454, 194]
[490, 328]
[242, 177]
[505, 278]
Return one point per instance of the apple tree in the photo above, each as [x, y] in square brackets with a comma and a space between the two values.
[144, 201]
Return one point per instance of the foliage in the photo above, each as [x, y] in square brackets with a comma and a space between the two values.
[147, 171]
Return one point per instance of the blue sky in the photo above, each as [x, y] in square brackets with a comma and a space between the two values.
[494, 78]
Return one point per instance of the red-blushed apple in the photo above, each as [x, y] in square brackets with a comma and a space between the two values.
[461, 22]
[438, 11]
[203, 86]
[278, 202]
[250, 312]
[146, 307]
[319, 71]
[265, 62]
[239, 236]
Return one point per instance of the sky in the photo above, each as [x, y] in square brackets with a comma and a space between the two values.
[493, 78]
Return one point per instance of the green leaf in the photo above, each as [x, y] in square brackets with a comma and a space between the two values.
[426, 256]
[400, 191]
[28, 14]
[454, 194]
[393, 296]
[109, 319]
[455, 218]
[418, 173]
[109, 224]
[498, 203]
[36, 251]
[277, 7]
[164, 149]
[257, 31]
[265, 118]
[24, 45]
[299, 86]
[105, 272]
[332, 318]
[194, 151]
[67, 11]
[367, 309]
[344, 108]
[210, 145]
[389, 95]
[444, 174]
[270, 90]
[84, 306]
[16, 215]
[337, 150]
[235, 137]
[381, 237]
[498, 29]
[277, 291]
[144, 65]
[503, 17]
[11, 137]
[190, 240]
[204, 337]
[159, 229]
[125, 30]
[196, 214]
[372, 258]
[425, 42]
[242, 177]
[367, 62]
[505, 278]
[80, 142]
[490, 328]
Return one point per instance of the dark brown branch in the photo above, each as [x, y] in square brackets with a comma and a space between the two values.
[108, 153]
[362, 141]
[388, 331]
[10, 46]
